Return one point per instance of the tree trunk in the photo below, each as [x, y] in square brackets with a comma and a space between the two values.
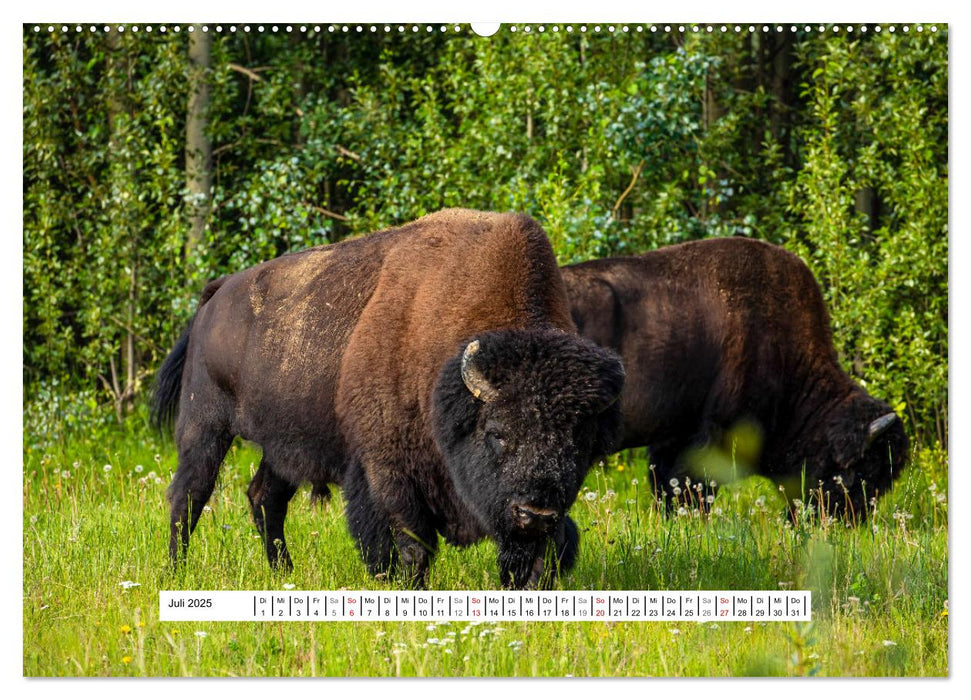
[198, 147]
[122, 178]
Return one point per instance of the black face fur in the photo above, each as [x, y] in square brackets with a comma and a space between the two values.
[554, 412]
[854, 468]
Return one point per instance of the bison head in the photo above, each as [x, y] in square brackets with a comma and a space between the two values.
[864, 452]
[520, 416]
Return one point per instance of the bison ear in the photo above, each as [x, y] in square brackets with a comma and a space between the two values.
[474, 380]
[878, 427]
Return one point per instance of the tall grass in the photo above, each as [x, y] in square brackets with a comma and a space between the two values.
[95, 557]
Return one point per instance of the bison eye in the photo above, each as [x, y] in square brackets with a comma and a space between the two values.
[497, 443]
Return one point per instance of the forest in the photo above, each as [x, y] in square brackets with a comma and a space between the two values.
[157, 160]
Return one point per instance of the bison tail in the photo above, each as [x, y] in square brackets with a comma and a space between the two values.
[168, 384]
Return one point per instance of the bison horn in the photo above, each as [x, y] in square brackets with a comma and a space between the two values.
[878, 426]
[473, 378]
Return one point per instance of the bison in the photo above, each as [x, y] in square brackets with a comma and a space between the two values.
[720, 333]
[432, 371]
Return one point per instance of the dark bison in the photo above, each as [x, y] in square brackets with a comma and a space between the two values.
[432, 370]
[720, 332]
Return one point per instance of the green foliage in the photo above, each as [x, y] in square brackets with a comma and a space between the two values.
[878, 124]
[834, 145]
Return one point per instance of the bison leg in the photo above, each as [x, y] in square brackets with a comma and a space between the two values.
[200, 454]
[320, 494]
[369, 524]
[402, 545]
[675, 484]
[416, 548]
[269, 498]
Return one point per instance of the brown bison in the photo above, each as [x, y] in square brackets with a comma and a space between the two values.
[720, 332]
[431, 370]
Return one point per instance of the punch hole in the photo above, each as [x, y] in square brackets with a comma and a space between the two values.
[486, 28]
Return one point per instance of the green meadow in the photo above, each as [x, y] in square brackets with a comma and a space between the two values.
[95, 529]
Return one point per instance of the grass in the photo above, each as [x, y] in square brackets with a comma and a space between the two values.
[95, 524]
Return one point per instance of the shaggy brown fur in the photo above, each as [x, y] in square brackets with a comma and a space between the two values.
[719, 331]
[333, 359]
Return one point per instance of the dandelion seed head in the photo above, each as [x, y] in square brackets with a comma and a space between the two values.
[201, 635]
[139, 468]
[107, 468]
[673, 482]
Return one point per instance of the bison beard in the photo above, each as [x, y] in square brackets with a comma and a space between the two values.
[432, 371]
[723, 333]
